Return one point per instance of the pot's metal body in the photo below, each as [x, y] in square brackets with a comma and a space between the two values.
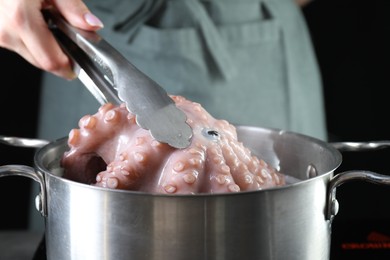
[290, 222]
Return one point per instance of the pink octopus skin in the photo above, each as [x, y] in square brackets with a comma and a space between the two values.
[110, 150]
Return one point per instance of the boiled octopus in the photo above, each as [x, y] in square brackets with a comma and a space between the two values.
[110, 150]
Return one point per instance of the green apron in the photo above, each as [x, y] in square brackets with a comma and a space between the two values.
[250, 62]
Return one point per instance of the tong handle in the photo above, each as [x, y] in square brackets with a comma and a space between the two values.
[80, 47]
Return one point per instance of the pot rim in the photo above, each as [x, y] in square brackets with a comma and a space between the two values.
[39, 164]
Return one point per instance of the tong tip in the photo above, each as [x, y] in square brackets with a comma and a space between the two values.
[168, 125]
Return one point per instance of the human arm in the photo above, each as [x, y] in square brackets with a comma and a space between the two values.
[302, 3]
[24, 31]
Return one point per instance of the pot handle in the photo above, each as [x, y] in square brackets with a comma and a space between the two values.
[347, 176]
[360, 146]
[30, 172]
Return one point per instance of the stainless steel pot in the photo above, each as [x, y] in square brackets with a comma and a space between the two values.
[290, 222]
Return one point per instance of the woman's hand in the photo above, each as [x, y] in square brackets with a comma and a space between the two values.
[24, 31]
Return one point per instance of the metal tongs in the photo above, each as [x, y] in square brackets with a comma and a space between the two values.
[110, 77]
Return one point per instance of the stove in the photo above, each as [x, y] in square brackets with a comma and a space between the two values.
[360, 239]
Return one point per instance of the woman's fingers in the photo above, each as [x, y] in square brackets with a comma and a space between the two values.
[23, 29]
[78, 14]
[42, 45]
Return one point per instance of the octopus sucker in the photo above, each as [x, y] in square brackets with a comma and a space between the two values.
[234, 188]
[123, 156]
[221, 179]
[124, 172]
[131, 118]
[263, 163]
[156, 144]
[106, 107]
[111, 116]
[112, 183]
[179, 166]
[139, 157]
[225, 169]
[265, 173]
[189, 178]
[140, 141]
[88, 121]
[259, 180]
[110, 150]
[74, 137]
[170, 188]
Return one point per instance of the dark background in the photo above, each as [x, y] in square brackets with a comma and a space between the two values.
[351, 43]
[351, 39]
[19, 107]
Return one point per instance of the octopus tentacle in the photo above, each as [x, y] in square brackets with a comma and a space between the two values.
[221, 179]
[181, 173]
